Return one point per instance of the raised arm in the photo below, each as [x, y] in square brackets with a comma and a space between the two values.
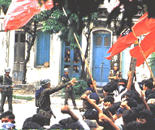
[67, 110]
[60, 86]
[129, 80]
[102, 116]
[137, 88]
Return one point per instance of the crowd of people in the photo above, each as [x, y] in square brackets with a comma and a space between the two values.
[124, 105]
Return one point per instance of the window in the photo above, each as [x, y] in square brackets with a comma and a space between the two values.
[19, 50]
[19, 56]
[106, 41]
[98, 40]
[67, 55]
[43, 49]
[71, 59]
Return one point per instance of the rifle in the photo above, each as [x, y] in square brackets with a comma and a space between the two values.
[13, 86]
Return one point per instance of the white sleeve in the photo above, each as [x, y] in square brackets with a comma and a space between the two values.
[118, 98]
[138, 88]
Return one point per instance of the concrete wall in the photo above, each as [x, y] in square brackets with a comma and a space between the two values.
[35, 74]
[142, 72]
[6, 50]
[6, 46]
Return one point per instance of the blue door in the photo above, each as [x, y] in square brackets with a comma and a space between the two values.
[101, 66]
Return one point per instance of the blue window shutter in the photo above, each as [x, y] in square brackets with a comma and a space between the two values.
[43, 48]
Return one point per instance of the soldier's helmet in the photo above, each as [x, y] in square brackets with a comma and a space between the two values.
[44, 82]
[66, 70]
[115, 64]
[7, 70]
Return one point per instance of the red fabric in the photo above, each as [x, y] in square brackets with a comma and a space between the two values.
[121, 44]
[144, 25]
[148, 47]
[21, 11]
[48, 5]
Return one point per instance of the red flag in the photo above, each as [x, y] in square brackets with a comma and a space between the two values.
[143, 26]
[122, 43]
[148, 47]
[21, 11]
[48, 5]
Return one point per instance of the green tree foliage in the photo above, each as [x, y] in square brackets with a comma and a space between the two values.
[152, 62]
[80, 88]
[129, 9]
[67, 25]
[4, 4]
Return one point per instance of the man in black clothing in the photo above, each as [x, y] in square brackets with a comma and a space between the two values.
[69, 93]
[44, 97]
[6, 90]
[34, 122]
[72, 122]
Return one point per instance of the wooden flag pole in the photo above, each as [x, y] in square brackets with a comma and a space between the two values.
[152, 75]
[83, 57]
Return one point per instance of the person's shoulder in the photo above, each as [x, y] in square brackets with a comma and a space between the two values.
[90, 89]
[65, 78]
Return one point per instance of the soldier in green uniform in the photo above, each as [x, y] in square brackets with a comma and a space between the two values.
[6, 90]
[69, 93]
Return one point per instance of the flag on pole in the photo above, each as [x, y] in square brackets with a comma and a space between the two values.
[144, 25]
[146, 48]
[125, 40]
[21, 11]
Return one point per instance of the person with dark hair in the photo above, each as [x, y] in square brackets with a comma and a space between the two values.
[128, 116]
[37, 121]
[109, 88]
[152, 108]
[7, 120]
[103, 120]
[133, 125]
[126, 104]
[148, 89]
[6, 90]
[108, 102]
[145, 118]
[90, 89]
[91, 85]
[69, 92]
[122, 83]
[90, 112]
[150, 96]
[44, 102]
[72, 122]
[148, 84]
[110, 105]
[132, 94]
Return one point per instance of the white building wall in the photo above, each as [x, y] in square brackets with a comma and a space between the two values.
[125, 62]
[6, 46]
[142, 72]
[7, 50]
[11, 49]
[35, 74]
